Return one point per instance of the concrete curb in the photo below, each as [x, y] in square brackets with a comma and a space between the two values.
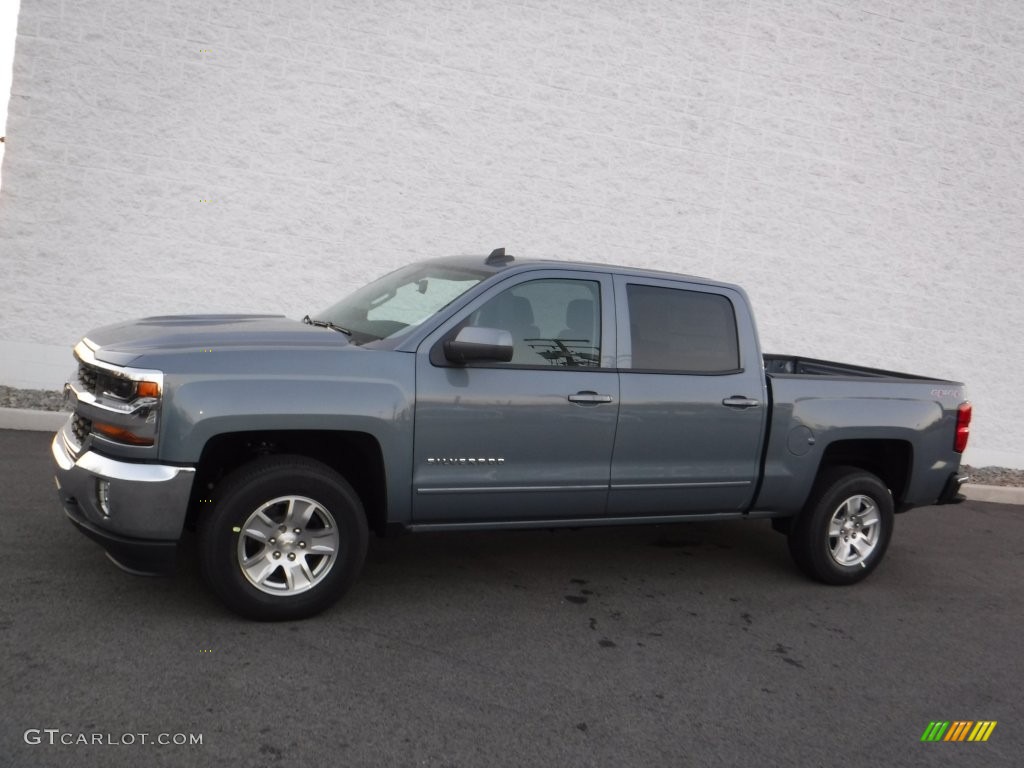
[1000, 494]
[51, 421]
[32, 420]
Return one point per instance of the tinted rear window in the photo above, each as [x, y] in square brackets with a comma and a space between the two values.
[682, 331]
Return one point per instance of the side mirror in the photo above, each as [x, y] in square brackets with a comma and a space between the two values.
[479, 344]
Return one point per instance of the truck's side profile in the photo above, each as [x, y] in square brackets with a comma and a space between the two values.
[473, 393]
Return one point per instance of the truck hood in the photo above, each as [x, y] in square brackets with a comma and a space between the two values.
[122, 343]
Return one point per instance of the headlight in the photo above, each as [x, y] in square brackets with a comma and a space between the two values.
[121, 403]
[125, 388]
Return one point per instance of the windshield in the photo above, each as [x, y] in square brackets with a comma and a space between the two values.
[398, 302]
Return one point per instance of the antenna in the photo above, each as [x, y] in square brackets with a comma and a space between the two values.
[498, 257]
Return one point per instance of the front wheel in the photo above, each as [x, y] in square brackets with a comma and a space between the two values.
[286, 538]
[845, 527]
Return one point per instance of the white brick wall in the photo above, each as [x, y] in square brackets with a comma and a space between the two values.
[857, 165]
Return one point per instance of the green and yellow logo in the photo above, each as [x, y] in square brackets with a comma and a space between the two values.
[958, 730]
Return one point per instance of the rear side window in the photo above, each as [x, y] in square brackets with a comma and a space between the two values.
[682, 331]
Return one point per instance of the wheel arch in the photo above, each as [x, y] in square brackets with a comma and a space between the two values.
[356, 456]
[890, 460]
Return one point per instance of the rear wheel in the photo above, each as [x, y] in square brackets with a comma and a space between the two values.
[845, 527]
[286, 538]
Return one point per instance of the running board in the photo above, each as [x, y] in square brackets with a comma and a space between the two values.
[582, 522]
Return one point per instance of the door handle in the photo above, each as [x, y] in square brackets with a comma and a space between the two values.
[741, 402]
[589, 398]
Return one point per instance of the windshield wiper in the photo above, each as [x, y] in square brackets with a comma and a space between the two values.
[326, 324]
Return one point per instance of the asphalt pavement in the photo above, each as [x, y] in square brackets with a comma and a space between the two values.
[670, 645]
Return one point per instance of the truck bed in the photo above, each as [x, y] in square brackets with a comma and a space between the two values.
[903, 419]
[808, 366]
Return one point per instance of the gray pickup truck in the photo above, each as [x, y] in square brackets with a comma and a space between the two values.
[482, 394]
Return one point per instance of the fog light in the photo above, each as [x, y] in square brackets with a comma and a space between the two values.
[103, 496]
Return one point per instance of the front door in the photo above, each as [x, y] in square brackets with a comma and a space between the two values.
[530, 439]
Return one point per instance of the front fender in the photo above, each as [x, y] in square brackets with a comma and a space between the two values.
[199, 408]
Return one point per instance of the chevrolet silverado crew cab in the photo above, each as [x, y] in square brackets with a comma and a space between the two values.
[483, 394]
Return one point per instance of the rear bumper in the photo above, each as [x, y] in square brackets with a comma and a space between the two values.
[144, 514]
[951, 491]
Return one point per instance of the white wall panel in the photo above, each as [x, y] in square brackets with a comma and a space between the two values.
[857, 166]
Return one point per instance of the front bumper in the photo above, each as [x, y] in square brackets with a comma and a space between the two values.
[145, 511]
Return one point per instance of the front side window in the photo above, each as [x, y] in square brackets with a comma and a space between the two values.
[681, 331]
[554, 322]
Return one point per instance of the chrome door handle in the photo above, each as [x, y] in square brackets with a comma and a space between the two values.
[738, 401]
[589, 398]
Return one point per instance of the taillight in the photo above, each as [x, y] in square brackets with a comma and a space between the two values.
[963, 427]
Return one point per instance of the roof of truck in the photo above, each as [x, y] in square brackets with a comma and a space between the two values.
[515, 264]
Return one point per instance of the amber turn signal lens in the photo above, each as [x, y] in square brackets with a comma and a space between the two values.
[147, 389]
[120, 433]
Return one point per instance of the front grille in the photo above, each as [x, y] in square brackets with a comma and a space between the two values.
[81, 426]
[88, 376]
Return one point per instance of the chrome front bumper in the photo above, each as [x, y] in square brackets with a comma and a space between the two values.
[146, 505]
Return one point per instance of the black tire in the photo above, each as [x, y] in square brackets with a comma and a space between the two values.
[850, 550]
[309, 565]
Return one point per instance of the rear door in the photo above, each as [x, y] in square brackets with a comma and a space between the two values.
[692, 399]
[530, 439]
